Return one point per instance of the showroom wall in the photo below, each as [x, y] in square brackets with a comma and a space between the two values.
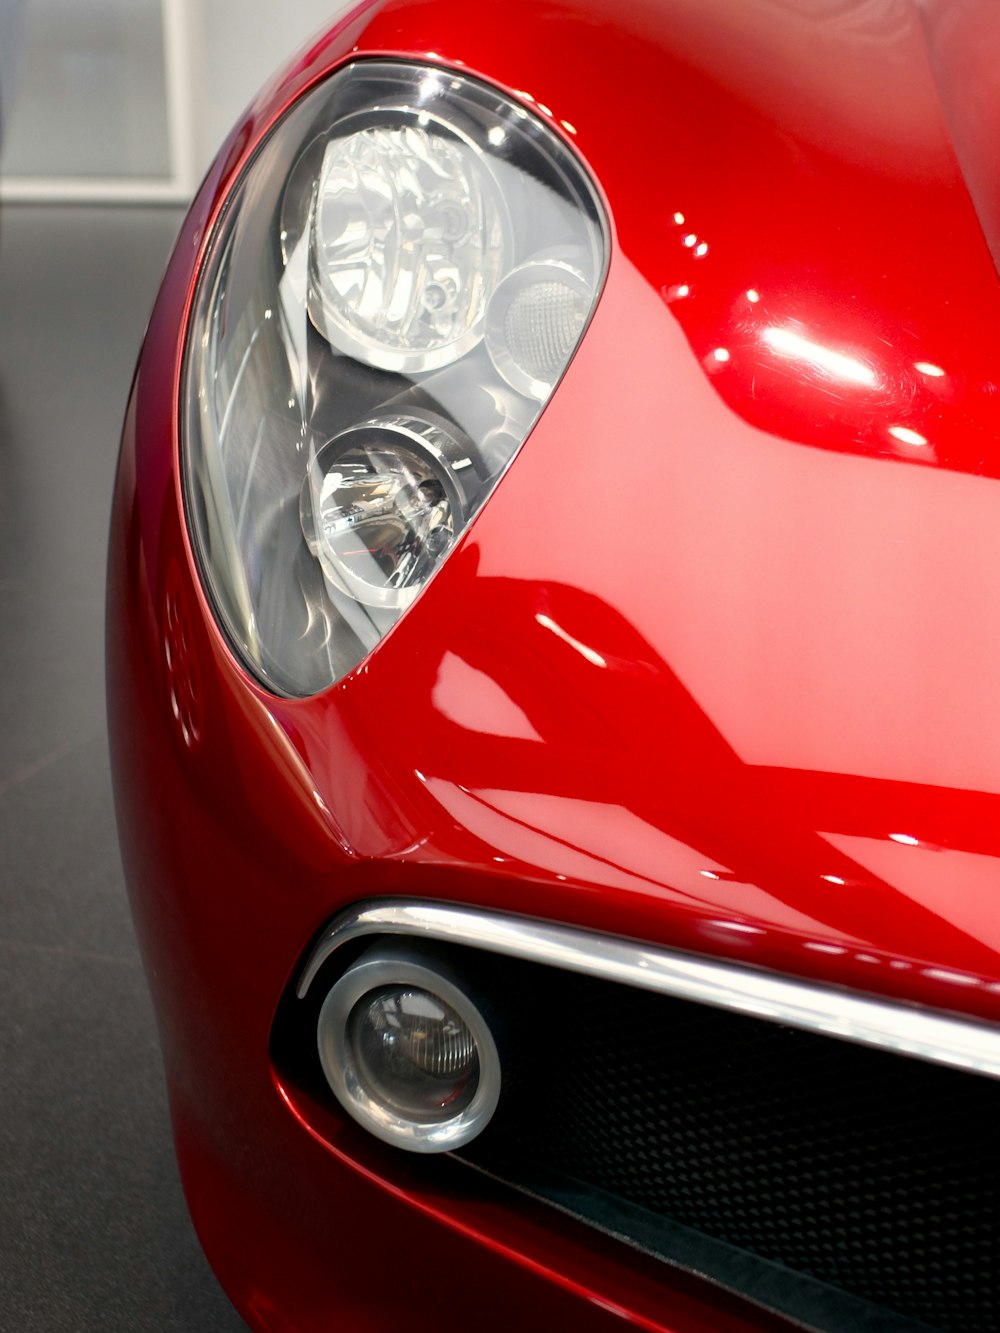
[128, 99]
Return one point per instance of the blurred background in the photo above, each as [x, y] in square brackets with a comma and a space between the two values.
[110, 111]
[129, 99]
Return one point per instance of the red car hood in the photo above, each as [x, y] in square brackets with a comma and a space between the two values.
[719, 660]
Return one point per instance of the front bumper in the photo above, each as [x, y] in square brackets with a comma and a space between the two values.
[233, 865]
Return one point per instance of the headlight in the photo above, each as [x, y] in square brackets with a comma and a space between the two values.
[397, 284]
[409, 239]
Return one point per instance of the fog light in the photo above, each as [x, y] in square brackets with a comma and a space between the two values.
[414, 1052]
[407, 1052]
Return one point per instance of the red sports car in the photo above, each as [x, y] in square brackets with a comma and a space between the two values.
[554, 644]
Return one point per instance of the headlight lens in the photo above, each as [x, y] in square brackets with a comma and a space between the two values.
[398, 282]
[409, 239]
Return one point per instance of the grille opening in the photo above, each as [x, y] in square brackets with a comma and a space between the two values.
[846, 1188]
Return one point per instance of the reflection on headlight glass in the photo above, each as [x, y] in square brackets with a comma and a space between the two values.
[397, 285]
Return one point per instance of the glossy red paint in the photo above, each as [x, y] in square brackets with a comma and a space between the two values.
[715, 666]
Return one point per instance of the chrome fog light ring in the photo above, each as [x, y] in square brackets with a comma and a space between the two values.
[380, 980]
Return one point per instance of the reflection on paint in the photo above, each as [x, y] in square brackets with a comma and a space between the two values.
[838, 365]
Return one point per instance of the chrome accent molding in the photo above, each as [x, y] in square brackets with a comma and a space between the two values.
[907, 1029]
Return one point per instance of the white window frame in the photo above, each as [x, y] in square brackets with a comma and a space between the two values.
[179, 185]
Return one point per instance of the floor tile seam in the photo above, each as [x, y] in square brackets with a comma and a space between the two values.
[32, 770]
[128, 960]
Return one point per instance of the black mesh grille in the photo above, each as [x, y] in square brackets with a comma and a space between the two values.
[875, 1174]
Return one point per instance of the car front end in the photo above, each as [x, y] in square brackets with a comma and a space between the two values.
[553, 597]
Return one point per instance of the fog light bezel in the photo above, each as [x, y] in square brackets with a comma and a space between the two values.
[377, 970]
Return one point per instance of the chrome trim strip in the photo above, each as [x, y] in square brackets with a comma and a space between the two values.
[905, 1028]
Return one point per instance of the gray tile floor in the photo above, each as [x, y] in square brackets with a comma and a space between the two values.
[93, 1229]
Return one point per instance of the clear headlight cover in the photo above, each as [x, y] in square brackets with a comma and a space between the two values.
[396, 286]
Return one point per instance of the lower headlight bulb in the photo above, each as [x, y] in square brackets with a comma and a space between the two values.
[382, 505]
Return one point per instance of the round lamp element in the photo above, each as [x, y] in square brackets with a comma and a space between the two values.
[414, 1051]
[409, 238]
[534, 322]
[407, 1052]
[382, 505]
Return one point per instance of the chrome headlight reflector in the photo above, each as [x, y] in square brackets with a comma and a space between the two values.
[397, 284]
[382, 505]
[409, 239]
